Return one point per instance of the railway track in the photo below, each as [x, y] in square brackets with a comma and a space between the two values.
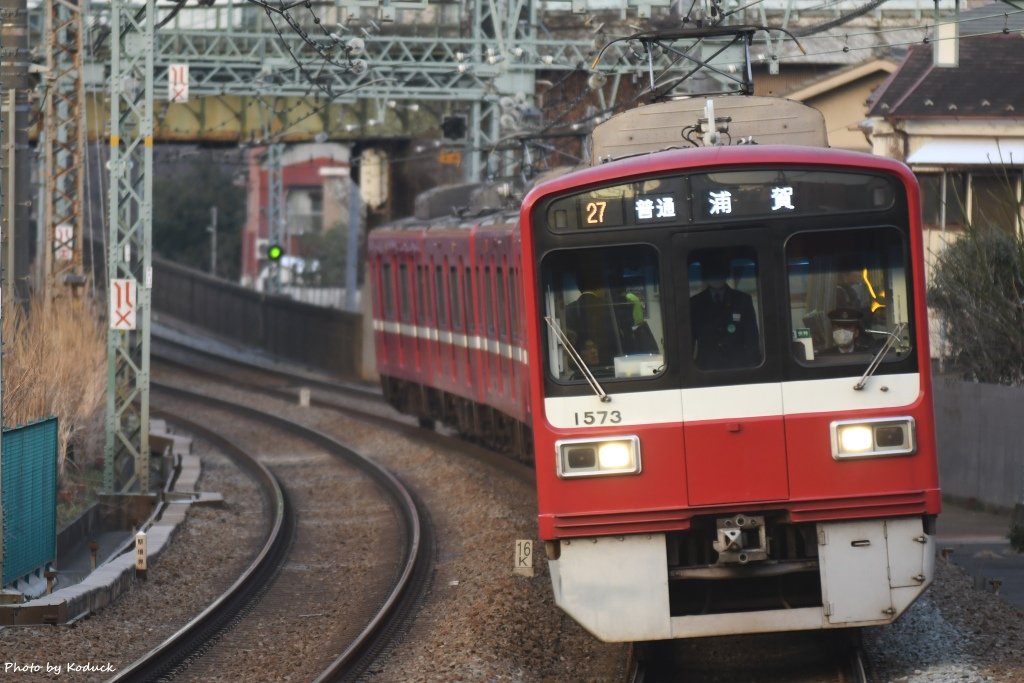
[273, 587]
[659, 664]
[478, 613]
[357, 401]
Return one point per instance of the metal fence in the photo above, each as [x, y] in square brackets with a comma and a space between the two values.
[323, 338]
[29, 498]
[980, 437]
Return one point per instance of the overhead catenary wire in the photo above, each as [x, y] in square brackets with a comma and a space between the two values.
[279, 14]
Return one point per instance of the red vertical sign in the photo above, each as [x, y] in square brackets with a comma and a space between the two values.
[123, 303]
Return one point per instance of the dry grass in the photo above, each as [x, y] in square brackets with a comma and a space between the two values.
[55, 364]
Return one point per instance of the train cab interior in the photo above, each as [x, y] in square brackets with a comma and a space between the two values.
[842, 296]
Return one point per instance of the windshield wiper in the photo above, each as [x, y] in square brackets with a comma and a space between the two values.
[577, 359]
[894, 337]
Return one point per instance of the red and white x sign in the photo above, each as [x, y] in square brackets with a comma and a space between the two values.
[123, 303]
[177, 83]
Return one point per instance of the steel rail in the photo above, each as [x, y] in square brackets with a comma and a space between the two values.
[516, 468]
[264, 567]
[416, 563]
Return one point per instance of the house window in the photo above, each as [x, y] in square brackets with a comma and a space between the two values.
[994, 201]
[943, 191]
[305, 207]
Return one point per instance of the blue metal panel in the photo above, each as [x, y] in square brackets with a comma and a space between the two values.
[29, 498]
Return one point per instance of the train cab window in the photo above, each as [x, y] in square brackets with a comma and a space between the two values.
[603, 312]
[724, 308]
[848, 295]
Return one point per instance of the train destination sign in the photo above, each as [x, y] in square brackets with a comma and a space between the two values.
[711, 197]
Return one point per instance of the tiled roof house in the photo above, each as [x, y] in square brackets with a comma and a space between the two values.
[961, 129]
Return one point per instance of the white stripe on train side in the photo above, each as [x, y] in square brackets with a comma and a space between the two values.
[462, 341]
[733, 402]
[696, 404]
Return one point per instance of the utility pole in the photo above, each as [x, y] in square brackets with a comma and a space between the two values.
[351, 253]
[130, 246]
[275, 213]
[62, 150]
[16, 171]
[3, 291]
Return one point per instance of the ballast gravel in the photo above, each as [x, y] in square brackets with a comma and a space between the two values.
[479, 621]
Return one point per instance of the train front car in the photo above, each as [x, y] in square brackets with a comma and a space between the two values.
[732, 400]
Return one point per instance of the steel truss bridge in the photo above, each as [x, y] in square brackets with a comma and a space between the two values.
[258, 71]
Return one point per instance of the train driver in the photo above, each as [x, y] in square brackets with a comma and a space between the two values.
[723, 322]
[846, 332]
[591, 320]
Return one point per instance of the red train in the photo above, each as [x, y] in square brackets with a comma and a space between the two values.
[718, 360]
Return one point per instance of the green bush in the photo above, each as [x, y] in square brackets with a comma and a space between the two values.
[1017, 538]
[978, 288]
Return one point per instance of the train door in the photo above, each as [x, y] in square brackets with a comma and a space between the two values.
[491, 361]
[422, 320]
[476, 330]
[460, 370]
[513, 328]
[407, 343]
[436, 298]
[444, 344]
[387, 312]
[504, 341]
[734, 435]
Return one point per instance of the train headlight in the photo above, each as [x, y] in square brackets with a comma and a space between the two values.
[598, 457]
[873, 438]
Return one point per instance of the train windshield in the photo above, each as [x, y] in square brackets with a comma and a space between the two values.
[847, 296]
[768, 276]
[607, 304]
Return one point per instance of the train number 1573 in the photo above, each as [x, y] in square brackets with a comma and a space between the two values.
[598, 417]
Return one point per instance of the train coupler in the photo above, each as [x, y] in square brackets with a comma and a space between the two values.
[741, 539]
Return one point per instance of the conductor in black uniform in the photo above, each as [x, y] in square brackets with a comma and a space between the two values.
[723, 322]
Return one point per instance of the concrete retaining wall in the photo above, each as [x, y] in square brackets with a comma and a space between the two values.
[980, 435]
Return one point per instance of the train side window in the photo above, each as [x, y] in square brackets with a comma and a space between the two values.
[513, 301]
[848, 292]
[470, 311]
[442, 312]
[724, 308]
[387, 291]
[502, 290]
[403, 290]
[453, 296]
[488, 302]
[606, 304]
[423, 292]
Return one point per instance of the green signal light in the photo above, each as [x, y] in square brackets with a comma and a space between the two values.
[275, 252]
